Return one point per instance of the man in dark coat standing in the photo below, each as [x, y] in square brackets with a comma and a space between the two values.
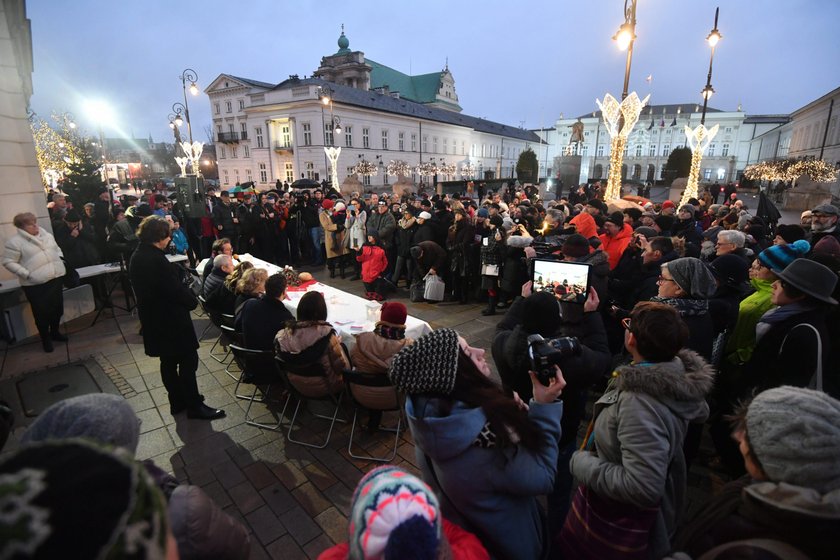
[164, 303]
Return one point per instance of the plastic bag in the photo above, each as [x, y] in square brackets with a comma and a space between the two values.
[435, 288]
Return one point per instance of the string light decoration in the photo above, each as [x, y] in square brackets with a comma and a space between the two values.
[398, 167]
[619, 120]
[790, 170]
[467, 170]
[427, 169]
[332, 156]
[57, 145]
[365, 168]
[698, 140]
[192, 152]
[447, 169]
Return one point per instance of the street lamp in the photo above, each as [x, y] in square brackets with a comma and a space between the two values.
[188, 75]
[621, 117]
[699, 138]
[331, 152]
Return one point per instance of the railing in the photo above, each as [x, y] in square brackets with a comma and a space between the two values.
[283, 147]
[228, 137]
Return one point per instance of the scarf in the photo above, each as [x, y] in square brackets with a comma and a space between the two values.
[686, 307]
[390, 332]
[778, 315]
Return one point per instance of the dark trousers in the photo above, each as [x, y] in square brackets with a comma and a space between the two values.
[178, 374]
[559, 499]
[47, 303]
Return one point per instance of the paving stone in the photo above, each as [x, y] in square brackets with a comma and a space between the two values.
[310, 499]
[257, 551]
[316, 546]
[153, 443]
[218, 494]
[289, 474]
[340, 496]
[149, 420]
[228, 474]
[285, 548]
[246, 498]
[199, 475]
[333, 524]
[143, 401]
[300, 526]
[259, 475]
[278, 498]
[266, 526]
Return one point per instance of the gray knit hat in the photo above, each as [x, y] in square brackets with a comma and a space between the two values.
[693, 276]
[103, 418]
[795, 433]
[427, 366]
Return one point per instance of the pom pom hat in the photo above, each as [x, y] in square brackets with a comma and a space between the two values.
[427, 366]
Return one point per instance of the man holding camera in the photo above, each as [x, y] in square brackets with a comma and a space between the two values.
[583, 355]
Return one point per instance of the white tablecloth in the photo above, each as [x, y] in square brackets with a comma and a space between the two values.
[349, 314]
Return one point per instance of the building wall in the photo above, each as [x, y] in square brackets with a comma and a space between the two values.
[21, 189]
[808, 129]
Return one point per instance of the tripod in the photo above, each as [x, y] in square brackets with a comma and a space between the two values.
[121, 278]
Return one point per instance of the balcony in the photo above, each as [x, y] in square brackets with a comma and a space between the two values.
[284, 147]
[228, 137]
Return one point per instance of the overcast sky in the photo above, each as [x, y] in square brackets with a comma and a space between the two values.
[521, 62]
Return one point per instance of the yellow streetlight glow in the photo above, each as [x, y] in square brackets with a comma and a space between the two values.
[713, 38]
[624, 36]
[172, 125]
[707, 92]
[178, 120]
[193, 89]
[325, 100]
[99, 111]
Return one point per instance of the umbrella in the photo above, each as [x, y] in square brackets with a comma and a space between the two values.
[306, 184]
[767, 210]
[620, 204]
[637, 199]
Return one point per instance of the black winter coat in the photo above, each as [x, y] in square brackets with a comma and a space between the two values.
[424, 232]
[461, 238]
[259, 320]
[163, 302]
[405, 239]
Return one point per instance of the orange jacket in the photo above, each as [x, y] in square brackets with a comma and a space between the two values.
[616, 245]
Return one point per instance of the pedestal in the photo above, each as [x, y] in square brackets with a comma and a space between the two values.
[569, 170]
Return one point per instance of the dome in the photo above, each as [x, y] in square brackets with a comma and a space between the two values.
[343, 42]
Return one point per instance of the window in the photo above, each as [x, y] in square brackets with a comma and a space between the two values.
[310, 169]
[348, 136]
[401, 141]
[712, 148]
[584, 150]
[307, 134]
[425, 143]
[625, 150]
[413, 142]
[241, 105]
[384, 139]
[263, 174]
[483, 150]
[652, 150]
[445, 146]
[216, 108]
[328, 134]
[236, 174]
[290, 172]
[666, 149]
[259, 136]
[286, 135]
[638, 150]
[366, 180]
[463, 148]
[246, 151]
[233, 152]
[707, 174]
[222, 154]
[228, 106]
[728, 129]
[434, 144]
[721, 174]
[725, 150]
[230, 128]
[365, 138]
[600, 150]
[244, 128]
[249, 176]
[225, 175]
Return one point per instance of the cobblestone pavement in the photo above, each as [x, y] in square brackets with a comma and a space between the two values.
[295, 500]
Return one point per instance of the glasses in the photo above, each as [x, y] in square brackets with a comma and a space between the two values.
[663, 279]
[626, 323]
[719, 243]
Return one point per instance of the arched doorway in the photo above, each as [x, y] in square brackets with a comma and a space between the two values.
[624, 171]
[651, 171]
[599, 171]
[637, 172]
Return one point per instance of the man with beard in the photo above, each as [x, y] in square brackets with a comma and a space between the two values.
[824, 223]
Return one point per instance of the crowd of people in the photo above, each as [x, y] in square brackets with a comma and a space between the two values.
[699, 318]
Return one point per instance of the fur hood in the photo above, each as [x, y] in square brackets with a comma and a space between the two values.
[681, 383]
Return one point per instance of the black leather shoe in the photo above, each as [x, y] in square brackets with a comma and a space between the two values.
[204, 412]
[58, 337]
[47, 344]
[176, 409]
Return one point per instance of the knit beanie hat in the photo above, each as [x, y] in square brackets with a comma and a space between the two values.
[665, 223]
[339, 206]
[790, 232]
[648, 232]
[779, 256]
[393, 313]
[693, 276]
[828, 245]
[72, 495]
[576, 246]
[497, 220]
[483, 213]
[688, 208]
[731, 270]
[394, 514]
[616, 218]
[541, 314]
[425, 216]
[668, 204]
[795, 433]
[105, 419]
[327, 203]
[427, 366]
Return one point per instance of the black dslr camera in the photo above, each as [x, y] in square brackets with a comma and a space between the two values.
[545, 354]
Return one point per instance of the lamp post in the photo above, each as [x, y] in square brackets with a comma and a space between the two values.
[188, 75]
[331, 153]
[699, 138]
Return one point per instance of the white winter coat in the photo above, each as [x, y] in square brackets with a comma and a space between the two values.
[34, 259]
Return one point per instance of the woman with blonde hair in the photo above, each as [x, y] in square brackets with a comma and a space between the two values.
[250, 286]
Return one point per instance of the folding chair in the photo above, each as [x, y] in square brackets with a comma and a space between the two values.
[306, 365]
[373, 392]
[206, 310]
[260, 369]
[223, 339]
[233, 337]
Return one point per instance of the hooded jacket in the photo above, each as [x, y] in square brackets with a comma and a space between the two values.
[496, 490]
[640, 424]
[614, 245]
[299, 336]
[34, 259]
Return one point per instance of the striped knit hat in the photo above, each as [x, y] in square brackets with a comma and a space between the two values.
[394, 514]
[779, 256]
[427, 366]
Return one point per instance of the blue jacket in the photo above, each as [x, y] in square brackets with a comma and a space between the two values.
[497, 493]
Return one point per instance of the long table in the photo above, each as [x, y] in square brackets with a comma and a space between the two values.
[348, 313]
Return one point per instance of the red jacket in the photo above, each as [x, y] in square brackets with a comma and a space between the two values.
[614, 246]
[374, 262]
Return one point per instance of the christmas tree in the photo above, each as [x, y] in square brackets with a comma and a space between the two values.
[82, 179]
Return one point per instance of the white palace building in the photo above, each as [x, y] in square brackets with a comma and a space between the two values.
[265, 132]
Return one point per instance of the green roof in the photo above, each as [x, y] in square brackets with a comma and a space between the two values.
[420, 89]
